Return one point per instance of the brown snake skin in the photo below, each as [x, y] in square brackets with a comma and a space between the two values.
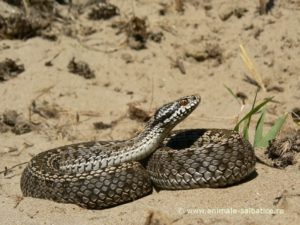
[201, 158]
[104, 174]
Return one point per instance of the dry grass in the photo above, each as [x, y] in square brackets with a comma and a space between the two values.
[255, 75]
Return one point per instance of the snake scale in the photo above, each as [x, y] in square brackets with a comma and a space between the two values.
[103, 174]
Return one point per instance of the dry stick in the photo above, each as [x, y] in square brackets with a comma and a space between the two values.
[296, 117]
[88, 47]
[41, 93]
[56, 55]
[18, 201]
[44, 91]
[152, 93]
[6, 170]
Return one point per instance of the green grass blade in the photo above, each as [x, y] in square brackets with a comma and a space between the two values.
[253, 111]
[246, 129]
[254, 100]
[232, 93]
[272, 132]
[248, 120]
[259, 128]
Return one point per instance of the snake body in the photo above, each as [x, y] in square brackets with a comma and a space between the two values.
[201, 158]
[103, 174]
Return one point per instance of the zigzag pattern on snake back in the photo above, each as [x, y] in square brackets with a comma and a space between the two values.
[103, 174]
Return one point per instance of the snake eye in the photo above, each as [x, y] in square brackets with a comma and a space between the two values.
[183, 102]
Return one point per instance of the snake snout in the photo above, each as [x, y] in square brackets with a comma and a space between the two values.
[194, 100]
[196, 97]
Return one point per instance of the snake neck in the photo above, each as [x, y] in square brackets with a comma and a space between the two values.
[115, 153]
[142, 145]
[89, 156]
[147, 142]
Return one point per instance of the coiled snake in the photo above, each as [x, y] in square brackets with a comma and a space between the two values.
[103, 174]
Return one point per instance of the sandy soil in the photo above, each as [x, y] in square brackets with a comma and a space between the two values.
[202, 41]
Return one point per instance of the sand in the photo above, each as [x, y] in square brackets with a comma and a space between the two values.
[199, 53]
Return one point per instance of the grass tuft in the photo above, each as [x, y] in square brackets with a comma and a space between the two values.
[260, 140]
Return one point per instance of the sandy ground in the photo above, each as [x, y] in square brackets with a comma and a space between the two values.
[149, 78]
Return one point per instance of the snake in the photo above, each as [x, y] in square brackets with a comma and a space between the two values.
[104, 174]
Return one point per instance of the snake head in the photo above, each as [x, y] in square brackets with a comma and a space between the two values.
[174, 112]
